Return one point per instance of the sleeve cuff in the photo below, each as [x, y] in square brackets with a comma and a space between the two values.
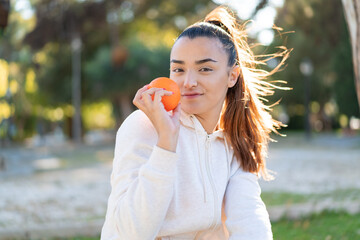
[163, 161]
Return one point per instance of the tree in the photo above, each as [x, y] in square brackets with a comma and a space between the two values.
[352, 13]
[320, 34]
[17, 59]
[120, 84]
[4, 14]
[105, 27]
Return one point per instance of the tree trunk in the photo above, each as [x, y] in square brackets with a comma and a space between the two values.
[76, 88]
[352, 15]
[122, 108]
[126, 106]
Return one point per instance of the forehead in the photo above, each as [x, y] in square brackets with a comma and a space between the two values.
[198, 48]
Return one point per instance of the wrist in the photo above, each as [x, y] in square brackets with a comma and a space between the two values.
[167, 142]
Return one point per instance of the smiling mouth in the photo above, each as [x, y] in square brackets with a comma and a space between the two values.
[192, 95]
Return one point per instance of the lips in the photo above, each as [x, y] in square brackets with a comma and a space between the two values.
[191, 94]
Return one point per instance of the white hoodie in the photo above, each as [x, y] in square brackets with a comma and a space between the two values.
[159, 194]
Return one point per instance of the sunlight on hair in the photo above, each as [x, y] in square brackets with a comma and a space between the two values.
[247, 111]
[261, 24]
[244, 8]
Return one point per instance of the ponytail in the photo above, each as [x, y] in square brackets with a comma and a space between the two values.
[245, 119]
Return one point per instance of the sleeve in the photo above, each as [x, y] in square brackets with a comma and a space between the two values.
[141, 182]
[246, 214]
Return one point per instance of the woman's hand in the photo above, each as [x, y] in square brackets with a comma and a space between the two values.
[167, 126]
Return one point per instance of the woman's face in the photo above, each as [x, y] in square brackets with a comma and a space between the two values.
[200, 68]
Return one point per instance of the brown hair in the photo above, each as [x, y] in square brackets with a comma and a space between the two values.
[245, 119]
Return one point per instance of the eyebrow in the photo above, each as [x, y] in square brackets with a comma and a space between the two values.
[196, 62]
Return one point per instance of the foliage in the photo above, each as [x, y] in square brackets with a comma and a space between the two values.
[98, 115]
[344, 86]
[320, 34]
[142, 65]
[146, 30]
[41, 45]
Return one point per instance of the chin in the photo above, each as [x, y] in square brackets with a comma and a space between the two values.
[192, 109]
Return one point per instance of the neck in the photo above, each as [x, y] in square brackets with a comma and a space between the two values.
[209, 121]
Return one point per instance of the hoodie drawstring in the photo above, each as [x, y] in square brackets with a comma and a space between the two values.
[227, 158]
[199, 157]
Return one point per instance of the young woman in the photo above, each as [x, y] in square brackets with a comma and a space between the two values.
[193, 173]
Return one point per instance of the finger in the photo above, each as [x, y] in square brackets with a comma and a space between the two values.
[156, 94]
[138, 102]
[149, 95]
[146, 98]
[146, 95]
[159, 94]
[143, 89]
[140, 91]
[154, 91]
[168, 93]
[151, 90]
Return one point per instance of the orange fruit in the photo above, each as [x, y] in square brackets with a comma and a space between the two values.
[170, 102]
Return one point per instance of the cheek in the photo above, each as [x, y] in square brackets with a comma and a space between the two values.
[172, 76]
[176, 79]
[220, 83]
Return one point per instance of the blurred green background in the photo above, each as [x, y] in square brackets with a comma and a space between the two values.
[125, 44]
[69, 70]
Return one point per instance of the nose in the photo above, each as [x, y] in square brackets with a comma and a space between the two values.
[190, 80]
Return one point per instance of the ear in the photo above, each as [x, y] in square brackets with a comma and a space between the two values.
[233, 76]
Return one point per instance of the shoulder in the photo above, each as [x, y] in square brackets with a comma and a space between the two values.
[136, 118]
[237, 171]
[137, 126]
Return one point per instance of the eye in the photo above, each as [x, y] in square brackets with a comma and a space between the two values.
[205, 69]
[177, 70]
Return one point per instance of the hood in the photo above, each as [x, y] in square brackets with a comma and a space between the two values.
[190, 121]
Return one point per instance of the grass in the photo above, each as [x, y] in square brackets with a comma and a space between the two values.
[324, 226]
[327, 225]
[285, 198]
